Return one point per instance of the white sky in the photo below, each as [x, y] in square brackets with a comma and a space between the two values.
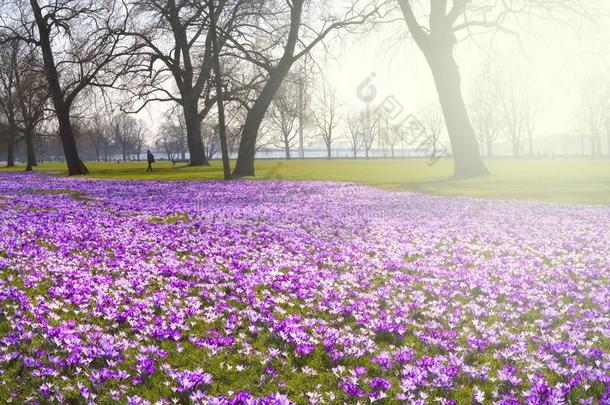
[558, 58]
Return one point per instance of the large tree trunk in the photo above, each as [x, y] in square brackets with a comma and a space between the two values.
[62, 109]
[75, 165]
[437, 45]
[193, 133]
[31, 153]
[10, 150]
[254, 119]
[464, 145]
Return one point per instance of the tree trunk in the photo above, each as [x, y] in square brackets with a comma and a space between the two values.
[75, 165]
[329, 151]
[222, 128]
[287, 150]
[254, 119]
[62, 109]
[301, 119]
[437, 45]
[31, 154]
[193, 133]
[11, 140]
[10, 150]
[464, 145]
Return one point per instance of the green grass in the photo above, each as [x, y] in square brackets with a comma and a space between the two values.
[562, 180]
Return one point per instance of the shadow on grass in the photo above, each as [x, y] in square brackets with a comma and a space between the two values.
[579, 190]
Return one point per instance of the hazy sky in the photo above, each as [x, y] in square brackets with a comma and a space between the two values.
[557, 58]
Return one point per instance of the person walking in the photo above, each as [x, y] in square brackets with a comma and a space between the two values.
[151, 160]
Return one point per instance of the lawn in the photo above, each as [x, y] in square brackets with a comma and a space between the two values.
[560, 180]
[277, 292]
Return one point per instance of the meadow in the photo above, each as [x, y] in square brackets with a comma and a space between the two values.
[278, 291]
[583, 181]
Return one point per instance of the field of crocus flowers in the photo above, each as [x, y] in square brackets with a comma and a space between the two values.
[265, 292]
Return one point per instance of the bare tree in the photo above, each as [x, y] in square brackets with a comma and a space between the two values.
[100, 131]
[371, 133]
[485, 111]
[388, 136]
[593, 117]
[176, 116]
[139, 139]
[235, 125]
[9, 70]
[284, 116]
[222, 126]
[128, 135]
[326, 117]
[80, 42]
[291, 36]
[33, 100]
[449, 21]
[302, 77]
[23, 98]
[169, 138]
[211, 140]
[433, 120]
[122, 133]
[518, 106]
[356, 124]
[188, 64]
[437, 42]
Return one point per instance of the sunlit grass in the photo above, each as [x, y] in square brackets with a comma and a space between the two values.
[561, 180]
